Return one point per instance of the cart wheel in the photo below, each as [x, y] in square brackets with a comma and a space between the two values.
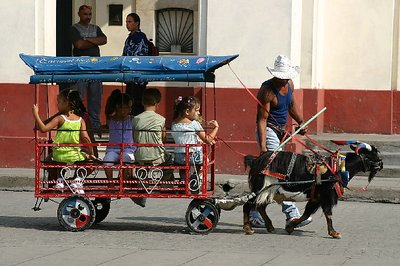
[201, 216]
[76, 213]
[102, 207]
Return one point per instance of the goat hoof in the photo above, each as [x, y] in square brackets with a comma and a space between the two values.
[247, 229]
[270, 229]
[335, 235]
[289, 229]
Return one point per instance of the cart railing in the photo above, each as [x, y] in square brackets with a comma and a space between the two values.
[88, 178]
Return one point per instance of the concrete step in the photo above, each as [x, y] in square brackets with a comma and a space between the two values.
[388, 145]
[390, 158]
[385, 143]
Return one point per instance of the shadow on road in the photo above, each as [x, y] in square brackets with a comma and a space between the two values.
[144, 224]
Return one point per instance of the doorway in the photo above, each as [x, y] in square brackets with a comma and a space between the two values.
[63, 26]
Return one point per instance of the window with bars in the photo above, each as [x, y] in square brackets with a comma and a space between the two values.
[174, 30]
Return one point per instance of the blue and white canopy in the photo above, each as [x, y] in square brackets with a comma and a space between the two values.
[50, 69]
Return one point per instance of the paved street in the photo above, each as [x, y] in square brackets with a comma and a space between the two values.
[157, 235]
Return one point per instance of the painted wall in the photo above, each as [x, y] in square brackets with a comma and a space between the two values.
[358, 43]
[234, 28]
[235, 112]
[348, 52]
[26, 29]
[335, 46]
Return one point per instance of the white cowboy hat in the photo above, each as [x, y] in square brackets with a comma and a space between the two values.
[283, 68]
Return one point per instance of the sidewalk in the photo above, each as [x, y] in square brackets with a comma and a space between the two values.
[381, 189]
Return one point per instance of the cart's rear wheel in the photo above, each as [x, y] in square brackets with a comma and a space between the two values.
[102, 207]
[76, 213]
[201, 216]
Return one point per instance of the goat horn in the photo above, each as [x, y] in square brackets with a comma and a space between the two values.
[345, 142]
[363, 146]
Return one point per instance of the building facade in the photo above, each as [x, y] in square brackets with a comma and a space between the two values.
[348, 51]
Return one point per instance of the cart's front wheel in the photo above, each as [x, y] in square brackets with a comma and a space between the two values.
[102, 207]
[202, 216]
[76, 213]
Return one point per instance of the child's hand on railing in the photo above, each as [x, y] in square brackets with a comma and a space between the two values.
[35, 109]
[91, 157]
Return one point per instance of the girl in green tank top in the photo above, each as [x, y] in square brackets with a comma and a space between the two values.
[71, 128]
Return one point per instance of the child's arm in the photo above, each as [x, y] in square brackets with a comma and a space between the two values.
[85, 139]
[209, 138]
[164, 135]
[39, 123]
[89, 130]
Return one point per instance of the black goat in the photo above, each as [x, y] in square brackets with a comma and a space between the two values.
[302, 183]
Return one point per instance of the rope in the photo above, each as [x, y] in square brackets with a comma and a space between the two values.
[251, 94]
[318, 144]
[230, 147]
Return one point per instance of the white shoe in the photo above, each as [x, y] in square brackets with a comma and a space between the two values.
[78, 185]
[80, 191]
[59, 184]
[303, 223]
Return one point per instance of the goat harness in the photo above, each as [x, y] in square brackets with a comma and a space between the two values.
[316, 166]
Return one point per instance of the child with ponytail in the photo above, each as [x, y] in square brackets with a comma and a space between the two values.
[187, 130]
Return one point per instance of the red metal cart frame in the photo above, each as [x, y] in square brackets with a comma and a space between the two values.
[86, 196]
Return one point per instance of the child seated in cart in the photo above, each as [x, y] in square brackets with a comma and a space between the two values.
[119, 122]
[187, 130]
[80, 110]
[149, 128]
[71, 129]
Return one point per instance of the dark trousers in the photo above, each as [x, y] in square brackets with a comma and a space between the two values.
[135, 91]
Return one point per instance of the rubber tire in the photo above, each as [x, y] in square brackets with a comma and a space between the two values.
[102, 207]
[76, 213]
[206, 221]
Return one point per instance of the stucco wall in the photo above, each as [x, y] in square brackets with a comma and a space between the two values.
[348, 51]
[258, 32]
[339, 44]
[358, 44]
[27, 27]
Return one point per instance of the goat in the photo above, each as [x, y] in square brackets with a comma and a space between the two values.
[305, 179]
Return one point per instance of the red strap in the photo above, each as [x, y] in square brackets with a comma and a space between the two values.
[321, 157]
[273, 174]
[338, 190]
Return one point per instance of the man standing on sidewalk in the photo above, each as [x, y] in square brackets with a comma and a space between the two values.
[276, 97]
[86, 39]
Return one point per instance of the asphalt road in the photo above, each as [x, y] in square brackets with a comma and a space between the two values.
[157, 235]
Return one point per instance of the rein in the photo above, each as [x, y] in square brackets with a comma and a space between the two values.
[229, 146]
